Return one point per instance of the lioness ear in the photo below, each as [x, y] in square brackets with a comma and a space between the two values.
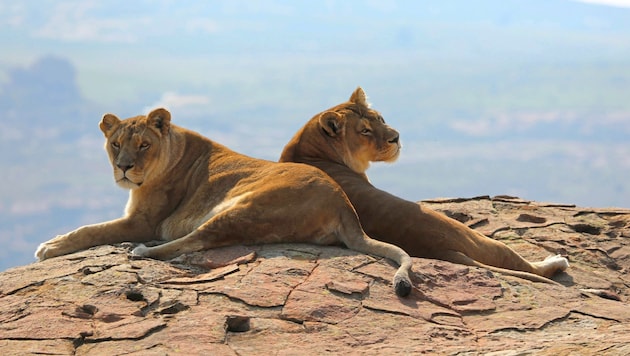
[359, 97]
[160, 119]
[108, 123]
[330, 122]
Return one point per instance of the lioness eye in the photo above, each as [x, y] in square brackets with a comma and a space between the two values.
[144, 145]
[366, 131]
[115, 145]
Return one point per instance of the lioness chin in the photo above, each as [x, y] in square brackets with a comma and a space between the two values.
[197, 194]
[343, 140]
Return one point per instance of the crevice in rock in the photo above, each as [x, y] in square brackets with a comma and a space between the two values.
[456, 200]
[521, 230]
[293, 320]
[34, 284]
[93, 269]
[509, 199]
[437, 302]
[297, 286]
[601, 317]
[375, 278]
[238, 300]
[78, 342]
[605, 260]
[363, 264]
[531, 218]
[586, 229]
[602, 293]
[385, 311]
[566, 207]
[85, 311]
[84, 339]
[600, 212]
[174, 308]
[534, 328]
[296, 272]
[157, 306]
[18, 314]
[478, 223]
[357, 343]
[135, 295]
[459, 216]
[503, 228]
[356, 295]
[237, 323]
[315, 255]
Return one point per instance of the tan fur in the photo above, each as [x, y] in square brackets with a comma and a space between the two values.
[343, 140]
[198, 194]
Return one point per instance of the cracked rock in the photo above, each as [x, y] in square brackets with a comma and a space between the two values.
[311, 300]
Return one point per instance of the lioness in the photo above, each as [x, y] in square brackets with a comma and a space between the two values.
[343, 140]
[198, 194]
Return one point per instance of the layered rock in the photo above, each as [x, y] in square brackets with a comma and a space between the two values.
[305, 299]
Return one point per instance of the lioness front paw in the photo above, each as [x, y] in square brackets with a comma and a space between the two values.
[51, 248]
[40, 253]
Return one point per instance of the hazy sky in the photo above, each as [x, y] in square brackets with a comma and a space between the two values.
[616, 3]
[535, 79]
[519, 97]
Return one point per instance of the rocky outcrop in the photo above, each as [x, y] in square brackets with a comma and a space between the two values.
[303, 299]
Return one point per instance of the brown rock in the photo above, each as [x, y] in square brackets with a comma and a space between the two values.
[307, 300]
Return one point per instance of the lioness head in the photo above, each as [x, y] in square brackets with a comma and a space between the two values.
[351, 133]
[134, 146]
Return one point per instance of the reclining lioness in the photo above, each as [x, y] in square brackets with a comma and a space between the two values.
[343, 140]
[197, 194]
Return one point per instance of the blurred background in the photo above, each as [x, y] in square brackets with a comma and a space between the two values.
[529, 98]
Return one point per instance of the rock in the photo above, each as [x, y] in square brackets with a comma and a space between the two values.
[305, 299]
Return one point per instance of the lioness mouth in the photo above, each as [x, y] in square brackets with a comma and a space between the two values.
[127, 180]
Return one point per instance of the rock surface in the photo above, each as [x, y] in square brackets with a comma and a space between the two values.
[303, 299]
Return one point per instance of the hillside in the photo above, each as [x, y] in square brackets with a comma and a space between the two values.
[302, 299]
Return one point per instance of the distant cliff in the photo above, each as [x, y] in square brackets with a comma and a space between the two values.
[303, 299]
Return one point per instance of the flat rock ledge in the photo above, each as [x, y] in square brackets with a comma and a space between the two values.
[305, 300]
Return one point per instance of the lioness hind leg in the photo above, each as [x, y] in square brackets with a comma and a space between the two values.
[460, 258]
[171, 249]
[224, 229]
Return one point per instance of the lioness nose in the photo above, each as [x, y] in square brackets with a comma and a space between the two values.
[394, 139]
[125, 168]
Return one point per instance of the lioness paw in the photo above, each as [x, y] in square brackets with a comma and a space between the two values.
[49, 248]
[551, 265]
[41, 252]
[141, 250]
[556, 261]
